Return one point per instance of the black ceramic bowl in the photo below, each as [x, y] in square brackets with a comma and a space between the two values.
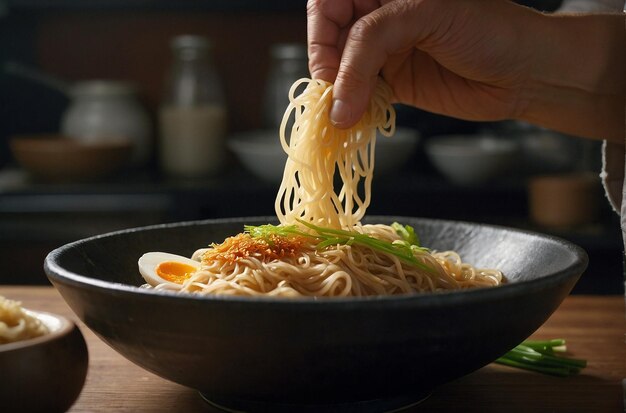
[375, 353]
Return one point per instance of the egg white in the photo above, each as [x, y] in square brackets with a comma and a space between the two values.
[149, 261]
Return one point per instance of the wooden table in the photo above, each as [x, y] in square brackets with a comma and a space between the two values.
[593, 326]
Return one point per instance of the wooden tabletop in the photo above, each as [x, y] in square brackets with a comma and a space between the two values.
[593, 326]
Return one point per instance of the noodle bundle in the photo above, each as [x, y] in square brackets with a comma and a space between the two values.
[320, 247]
[316, 149]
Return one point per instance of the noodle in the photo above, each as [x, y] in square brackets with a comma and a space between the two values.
[338, 271]
[16, 324]
[320, 247]
[316, 149]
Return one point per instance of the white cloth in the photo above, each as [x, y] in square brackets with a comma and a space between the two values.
[613, 171]
[613, 155]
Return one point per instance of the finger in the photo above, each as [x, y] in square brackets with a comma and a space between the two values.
[328, 22]
[394, 27]
[325, 20]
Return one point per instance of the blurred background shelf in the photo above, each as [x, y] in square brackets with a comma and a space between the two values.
[147, 5]
[212, 5]
[37, 217]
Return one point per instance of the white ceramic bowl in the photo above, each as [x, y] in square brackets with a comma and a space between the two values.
[394, 152]
[260, 152]
[472, 159]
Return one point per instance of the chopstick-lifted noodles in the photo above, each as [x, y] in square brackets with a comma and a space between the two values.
[320, 248]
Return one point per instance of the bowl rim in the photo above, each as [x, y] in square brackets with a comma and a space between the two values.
[58, 274]
[66, 326]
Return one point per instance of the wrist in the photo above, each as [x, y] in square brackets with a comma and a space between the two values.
[576, 81]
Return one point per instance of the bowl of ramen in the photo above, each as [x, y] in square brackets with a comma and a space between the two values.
[43, 357]
[293, 353]
[319, 308]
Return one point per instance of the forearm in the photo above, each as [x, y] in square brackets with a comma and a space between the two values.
[578, 76]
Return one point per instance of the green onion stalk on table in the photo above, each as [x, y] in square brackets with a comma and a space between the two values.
[543, 357]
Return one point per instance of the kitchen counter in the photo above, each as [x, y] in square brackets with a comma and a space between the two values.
[593, 326]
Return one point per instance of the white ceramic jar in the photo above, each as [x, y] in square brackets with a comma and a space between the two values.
[288, 63]
[104, 110]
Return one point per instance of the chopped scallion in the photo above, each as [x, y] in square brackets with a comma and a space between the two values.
[405, 250]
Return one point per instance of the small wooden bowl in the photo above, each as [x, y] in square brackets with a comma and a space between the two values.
[59, 159]
[46, 373]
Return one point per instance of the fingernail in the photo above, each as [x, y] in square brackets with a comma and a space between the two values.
[339, 113]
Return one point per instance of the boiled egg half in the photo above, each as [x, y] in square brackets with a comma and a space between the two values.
[162, 267]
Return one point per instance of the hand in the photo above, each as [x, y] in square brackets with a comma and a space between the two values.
[475, 60]
[446, 56]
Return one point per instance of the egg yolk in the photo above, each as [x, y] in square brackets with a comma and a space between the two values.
[175, 272]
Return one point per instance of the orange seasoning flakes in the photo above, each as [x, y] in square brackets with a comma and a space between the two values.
[243, 245]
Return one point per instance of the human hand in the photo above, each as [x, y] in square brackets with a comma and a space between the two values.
[452, 57]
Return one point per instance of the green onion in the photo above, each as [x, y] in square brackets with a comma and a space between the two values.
[405, 250]
[407, 233]
[541, 356]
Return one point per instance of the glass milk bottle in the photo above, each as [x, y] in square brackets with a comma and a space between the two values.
[192, 116]
[288, 64]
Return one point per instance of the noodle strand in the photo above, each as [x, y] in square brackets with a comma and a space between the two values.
[319, 155]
